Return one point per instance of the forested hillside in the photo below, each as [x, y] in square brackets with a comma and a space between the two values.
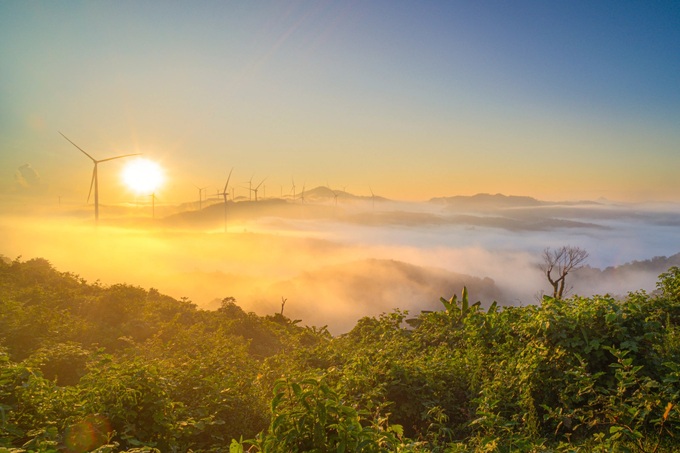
[88, 367]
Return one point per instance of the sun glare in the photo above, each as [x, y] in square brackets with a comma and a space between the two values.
[142, 176]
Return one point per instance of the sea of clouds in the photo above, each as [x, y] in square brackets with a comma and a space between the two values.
[336, 262]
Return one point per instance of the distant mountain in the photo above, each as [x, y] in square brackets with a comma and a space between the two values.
[484, 211]
[320, 192]
[313, 203]
[498, 201]
[324, 193]
[213, 215]
[488, 201]
[589, 280]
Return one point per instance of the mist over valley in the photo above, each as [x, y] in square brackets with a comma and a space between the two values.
[337, 257]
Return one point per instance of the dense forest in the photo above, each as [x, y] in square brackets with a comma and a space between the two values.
[89, 367]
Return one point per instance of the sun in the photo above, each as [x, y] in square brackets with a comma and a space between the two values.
[142, 176]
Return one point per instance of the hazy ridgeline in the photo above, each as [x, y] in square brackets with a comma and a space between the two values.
[336, 259]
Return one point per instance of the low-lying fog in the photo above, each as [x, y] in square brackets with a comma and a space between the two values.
[338, 258]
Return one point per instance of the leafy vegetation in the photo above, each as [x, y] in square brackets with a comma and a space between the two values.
[87, 367]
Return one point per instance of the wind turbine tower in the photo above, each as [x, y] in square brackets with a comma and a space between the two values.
[153, 205]
[250, 189]
[224, 194]
[95, 179]
[200, 198]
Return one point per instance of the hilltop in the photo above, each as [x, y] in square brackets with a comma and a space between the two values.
[119, 368]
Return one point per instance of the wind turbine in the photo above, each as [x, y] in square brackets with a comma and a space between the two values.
[302, 194]
[372, 197]
[250, 188]
[224, 194]
[335, 195]
[95, 179]
[256, 188]
[153, 205]
[200, 198]
[293, 189]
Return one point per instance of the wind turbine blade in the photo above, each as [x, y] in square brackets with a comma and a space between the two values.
[228, 178]
[258, 186]
[119, 157]
[81, 149]
[94, 175]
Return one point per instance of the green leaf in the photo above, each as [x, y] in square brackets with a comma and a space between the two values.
[397, 429]
[277, 422]
[296, 389]
[276, 401]
[235, 447]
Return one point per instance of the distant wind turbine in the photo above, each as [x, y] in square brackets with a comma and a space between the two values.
[293, 188]
[302, 194]
[224, 194]
[200, 198]
[250, 188]
[95, 179]
[257, 188]
[372, 197]
[153, 205]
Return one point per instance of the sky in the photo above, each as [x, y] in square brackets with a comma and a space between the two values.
[557, 100]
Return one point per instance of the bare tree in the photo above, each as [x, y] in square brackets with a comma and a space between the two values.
[558, 263]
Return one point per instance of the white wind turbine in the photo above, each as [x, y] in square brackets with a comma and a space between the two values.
[224, 194]
[200, 198]
[257, 188]
[250, 188]
[95, 179]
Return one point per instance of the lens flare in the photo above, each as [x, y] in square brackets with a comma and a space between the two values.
[143, 176]
[89, 433]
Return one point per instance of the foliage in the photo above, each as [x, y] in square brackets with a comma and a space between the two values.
[87, 367]
[310, 416]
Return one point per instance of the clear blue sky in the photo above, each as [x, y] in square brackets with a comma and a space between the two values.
[554, 99]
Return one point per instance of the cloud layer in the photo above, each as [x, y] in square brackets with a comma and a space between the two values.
[337, 262]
